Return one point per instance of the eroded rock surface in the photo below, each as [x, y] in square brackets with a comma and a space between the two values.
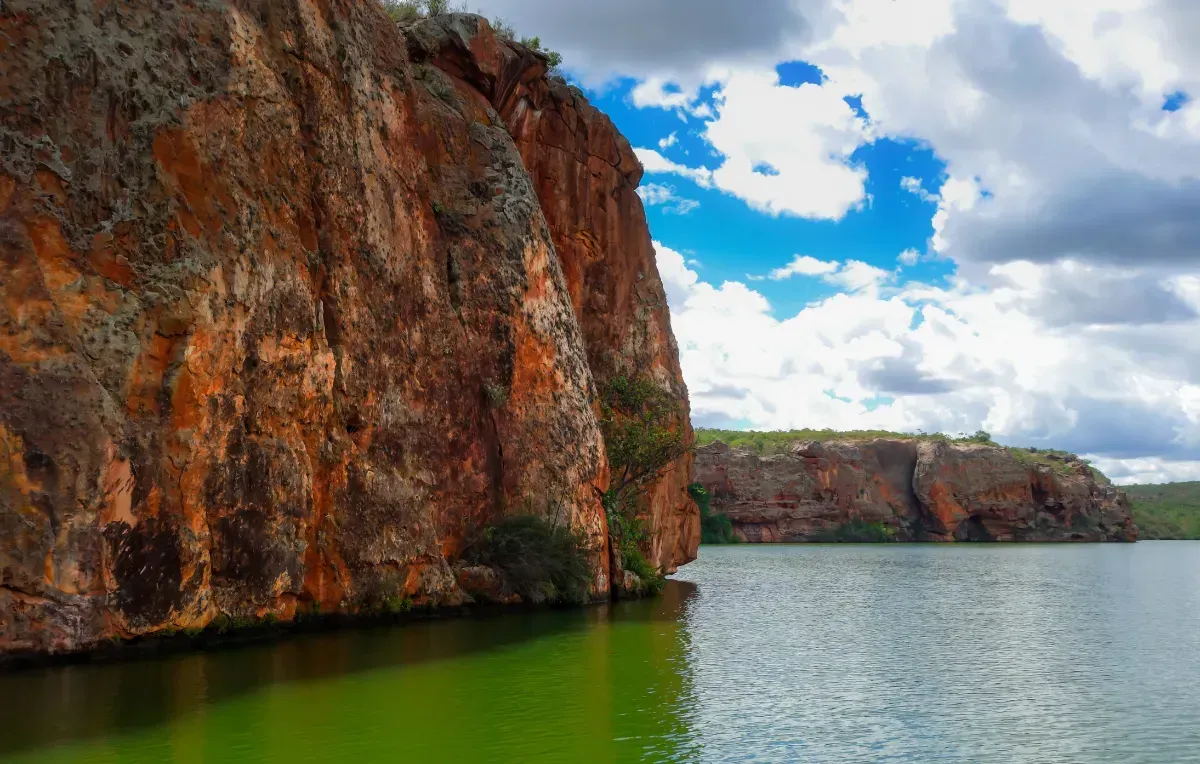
[282, 319]
[586, 175]
[917, 490]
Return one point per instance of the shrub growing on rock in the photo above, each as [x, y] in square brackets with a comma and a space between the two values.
[715, 527]
[856, 532]
[406, 11]
[639, 421]
[554, 57]
[642, 436]
[403, 11]
[542, 561]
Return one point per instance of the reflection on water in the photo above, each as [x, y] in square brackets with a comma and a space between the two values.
[1069, 654]
[602, 684]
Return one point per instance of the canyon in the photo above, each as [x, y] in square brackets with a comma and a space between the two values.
[910, 490]
[292, 301]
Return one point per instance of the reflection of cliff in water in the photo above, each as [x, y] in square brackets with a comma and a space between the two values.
[605, 682]
[650, 710]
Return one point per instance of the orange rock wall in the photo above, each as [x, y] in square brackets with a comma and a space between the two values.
[919, 490]
[586, 175]
[281, 319]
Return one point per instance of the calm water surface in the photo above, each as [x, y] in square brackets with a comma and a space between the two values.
[1025, 653]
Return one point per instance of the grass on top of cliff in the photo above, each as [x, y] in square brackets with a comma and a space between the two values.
[409, 11]
[780, 442]
[1166, 511]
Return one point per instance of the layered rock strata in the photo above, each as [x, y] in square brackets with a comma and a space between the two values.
[914, 490]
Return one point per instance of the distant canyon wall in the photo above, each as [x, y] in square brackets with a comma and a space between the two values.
[915, 490]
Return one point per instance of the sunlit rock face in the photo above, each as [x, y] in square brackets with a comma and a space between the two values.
[285, 314]
[910, 490]
[585, 175]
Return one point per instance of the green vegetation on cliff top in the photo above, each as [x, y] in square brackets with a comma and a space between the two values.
[780, 441]
[408, 11]
[1167, 511]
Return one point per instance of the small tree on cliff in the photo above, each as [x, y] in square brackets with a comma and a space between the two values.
[639, 421]
[715, 527]
[535, 43]
[642, 436]
[980, 436]
[404, 11]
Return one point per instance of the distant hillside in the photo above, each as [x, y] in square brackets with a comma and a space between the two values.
[779, 441]
[870, 486]
[1167, 511]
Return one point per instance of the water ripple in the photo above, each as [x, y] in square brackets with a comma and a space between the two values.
[1077, 654]
[989, 654]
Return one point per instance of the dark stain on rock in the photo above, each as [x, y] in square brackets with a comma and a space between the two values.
[148, 570]
[46, 505]
[41, 468]
[256, 477]
[972, 529]
[142, 468]
[263, 476]
[247, 553]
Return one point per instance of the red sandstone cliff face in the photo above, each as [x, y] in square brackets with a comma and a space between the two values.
[586, 175]
[920, 490]
[281, 319]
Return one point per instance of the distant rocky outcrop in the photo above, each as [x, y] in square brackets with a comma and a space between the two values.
[291, 301]
[911, 490]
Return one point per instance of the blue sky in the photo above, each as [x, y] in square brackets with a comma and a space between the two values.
[947, 215]
[717, 233]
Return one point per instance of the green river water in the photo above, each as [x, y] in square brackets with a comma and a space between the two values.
[1076, 654]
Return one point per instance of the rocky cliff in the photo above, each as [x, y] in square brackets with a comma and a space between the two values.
[912, 490]
[286, 312]
[586, 176]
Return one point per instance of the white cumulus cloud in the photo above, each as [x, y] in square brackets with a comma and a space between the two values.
[911, 357]
[914, 186]
[657, 164]
[804, 265]
[784, 150]
[1068, 211]
[853, 275]
[655, 194]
